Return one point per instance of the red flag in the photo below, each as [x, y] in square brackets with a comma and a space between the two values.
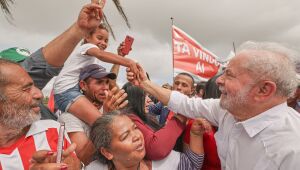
[51, 101]
[189, 56]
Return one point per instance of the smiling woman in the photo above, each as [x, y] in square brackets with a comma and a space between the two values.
[120, 145]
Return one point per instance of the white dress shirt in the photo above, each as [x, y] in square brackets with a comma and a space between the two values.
[268, 141]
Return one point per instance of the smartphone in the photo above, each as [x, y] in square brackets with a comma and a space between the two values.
[60, 142]
[128, 44]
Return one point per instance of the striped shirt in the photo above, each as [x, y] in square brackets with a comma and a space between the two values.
[42, 135]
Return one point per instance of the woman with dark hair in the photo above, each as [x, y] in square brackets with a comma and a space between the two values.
[120, 145]
[138, 103]
[158, 143]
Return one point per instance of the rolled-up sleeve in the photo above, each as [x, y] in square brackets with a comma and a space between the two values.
[196, 107]
[39, 70]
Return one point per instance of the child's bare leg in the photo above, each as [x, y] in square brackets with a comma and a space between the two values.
[84, 110]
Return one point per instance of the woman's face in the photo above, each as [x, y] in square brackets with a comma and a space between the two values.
[148, 102]
[127, 145]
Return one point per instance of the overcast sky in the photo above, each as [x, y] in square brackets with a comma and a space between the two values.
[213, 23]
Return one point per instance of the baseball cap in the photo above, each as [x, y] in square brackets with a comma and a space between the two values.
[15, 54]
[95, 71]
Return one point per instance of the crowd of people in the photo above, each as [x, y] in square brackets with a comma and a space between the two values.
[245, 118]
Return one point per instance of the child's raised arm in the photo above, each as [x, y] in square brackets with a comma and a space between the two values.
[113, 58]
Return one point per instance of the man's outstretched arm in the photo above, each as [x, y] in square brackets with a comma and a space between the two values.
[58, 50]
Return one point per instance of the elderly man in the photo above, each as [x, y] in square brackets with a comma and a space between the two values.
[256, 128]
[21, 131]
[94, 83]
[47, 62]
[20, 135]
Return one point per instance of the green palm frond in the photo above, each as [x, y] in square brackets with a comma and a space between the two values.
[5, 6]
[121, 11]
[105, 21]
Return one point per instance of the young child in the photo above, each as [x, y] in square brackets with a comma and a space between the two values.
[66, 90]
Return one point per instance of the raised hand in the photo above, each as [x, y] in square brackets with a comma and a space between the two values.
[89, 18]
[136, 78]
[115, 100]
[200, 126]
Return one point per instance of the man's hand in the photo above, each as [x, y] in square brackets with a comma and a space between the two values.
[200, 126]
[89, 18]
[115, 100]
[138, 78]
[46, 160]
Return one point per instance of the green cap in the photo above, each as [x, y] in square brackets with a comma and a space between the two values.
[15, 54]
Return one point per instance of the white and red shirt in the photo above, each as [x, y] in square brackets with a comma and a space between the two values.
[42, 135]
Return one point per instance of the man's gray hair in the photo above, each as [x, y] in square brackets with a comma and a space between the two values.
[272, 61]
[3, 78]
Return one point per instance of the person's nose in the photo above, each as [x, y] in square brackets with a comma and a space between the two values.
[136, 136]
[179, 87]
[220, 80]
[106, 87]
[37, 93]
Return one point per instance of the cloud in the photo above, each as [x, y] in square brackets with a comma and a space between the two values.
[215, 24]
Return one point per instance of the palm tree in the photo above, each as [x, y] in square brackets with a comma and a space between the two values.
[122, 13]
[5, 7]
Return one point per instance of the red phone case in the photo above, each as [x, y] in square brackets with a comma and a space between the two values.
[128, 44]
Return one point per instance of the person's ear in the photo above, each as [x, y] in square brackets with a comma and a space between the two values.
[105, 152]
[82, 85]
[265, 89]
[193, 90]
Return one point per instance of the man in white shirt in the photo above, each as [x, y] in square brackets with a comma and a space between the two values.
[257, 130]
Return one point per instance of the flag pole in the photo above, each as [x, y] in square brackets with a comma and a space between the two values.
[172, 21]
[233, 47]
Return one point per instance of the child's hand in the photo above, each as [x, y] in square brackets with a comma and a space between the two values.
[200, 126]
[138, 78]
[133, 67]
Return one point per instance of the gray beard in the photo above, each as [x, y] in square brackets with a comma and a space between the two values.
[13, 116]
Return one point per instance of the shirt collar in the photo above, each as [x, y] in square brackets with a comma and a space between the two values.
[37, 127]
[256, 124]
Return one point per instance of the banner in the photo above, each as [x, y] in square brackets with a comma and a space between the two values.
[191, 57]
[51, 101]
